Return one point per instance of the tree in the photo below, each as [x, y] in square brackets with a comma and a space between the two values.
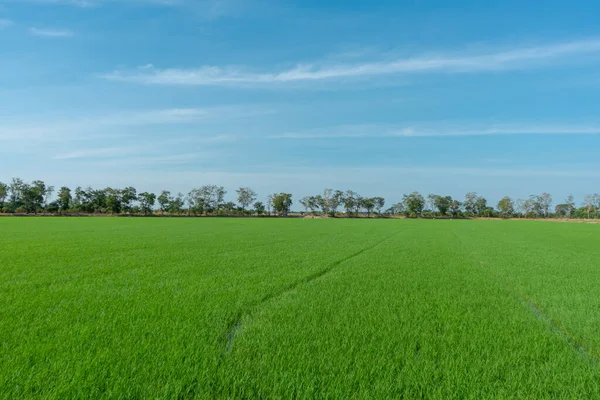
[379, 204]
[455, 207]
[229, 207]
[164, 200]
[506, 207]
[309, 203]
[3, 194]
[431, 201]
[443, 203]
[305, 201]
[189, 200]
[197, 201]
[79, 199]
[208, 198]
[220, 193]
[47, 193]
[128, 196]
[397, 208]
[470, 203]
[97, 200]
[368, 204]
[562, 210]
[588, 204]
[322, 203]
[176, 204]
[481, 207]
[545, 200]
[350, 202]
[570, 205]
[114, 201]
[34, 196]
[414, 203]
[282, 203]
[596, 202]
[147, 201]
[64, 199]
[335, 201]
[245, 197]
[270, 199]
[259, 208]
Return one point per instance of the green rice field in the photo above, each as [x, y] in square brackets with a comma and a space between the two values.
[163, 308]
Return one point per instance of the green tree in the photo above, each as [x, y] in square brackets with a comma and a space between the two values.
[220, 195]
[414, 203]
[335, 200]
[470, 203]
[430, 203]
[368, 204]
[455, 208]
[481, 207]
[259, 208]
[245, 197]
[176, 204]
[282, 203]
[379, 204]
[562, 210]
[164, 199]
[322, 203]
[64, 199]
[506, 207]
[34, 196]
[128, 196]
[3, 194]
[147, 201]
[229, 207]
[545, 200]
[114, 202]
[305, 201]
[350, 202]
[443, 204]
[16, 189]
[397, 208]
[571, 205]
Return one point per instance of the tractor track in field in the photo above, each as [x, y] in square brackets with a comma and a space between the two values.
[555, 326]
[235, 325]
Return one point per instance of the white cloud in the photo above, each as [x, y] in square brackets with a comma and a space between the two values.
[98, 152]
[57, 33]
[95, 3]
[5, 23]
[441, 130]
[498, 60]
[84, 128]
[152, 160]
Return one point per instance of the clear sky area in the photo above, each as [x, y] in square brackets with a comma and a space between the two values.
[381, 97]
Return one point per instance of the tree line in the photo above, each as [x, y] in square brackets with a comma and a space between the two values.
[20, 197]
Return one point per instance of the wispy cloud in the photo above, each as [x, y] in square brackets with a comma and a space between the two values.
[152, 160]
[98, 152]
[441, 130]
[5, 23]
[92, 127]
[499, 60]
[95, 3]
[56, 33]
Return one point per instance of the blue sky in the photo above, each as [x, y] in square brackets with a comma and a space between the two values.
[387, 97]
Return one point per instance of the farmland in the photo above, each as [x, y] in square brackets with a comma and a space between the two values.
[255, 308]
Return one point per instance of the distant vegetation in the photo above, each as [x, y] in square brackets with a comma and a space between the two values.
[19, 197]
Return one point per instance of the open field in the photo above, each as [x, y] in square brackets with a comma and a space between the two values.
[255, 308]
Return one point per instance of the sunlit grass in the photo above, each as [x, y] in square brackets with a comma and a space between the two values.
[205, 308]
